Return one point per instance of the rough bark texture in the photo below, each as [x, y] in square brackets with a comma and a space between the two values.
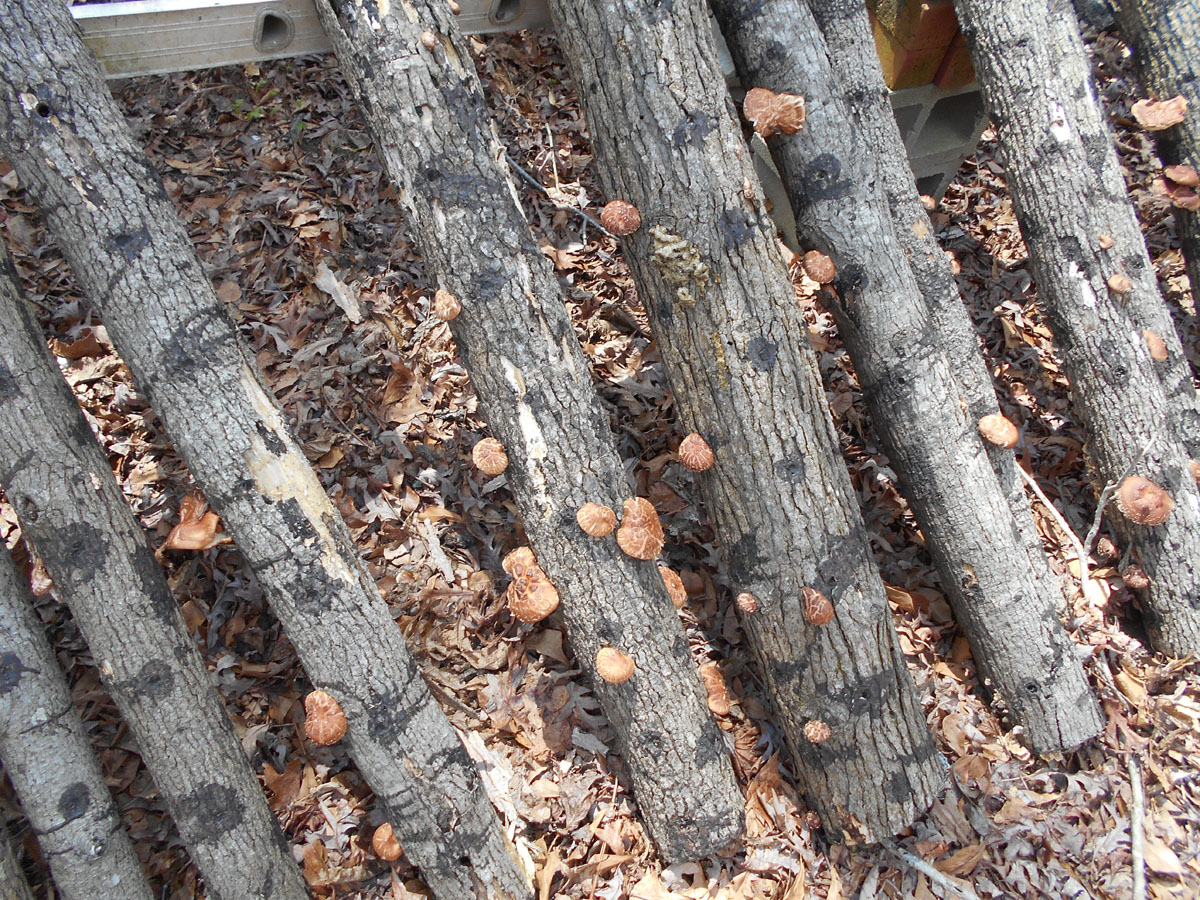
[46, 752]
[858, 77]
[431, 126]
[13, 885]
[75, 517]
[1165, 35]
[917, 408]
[735, 348]
[1067, 190]
[115, 224]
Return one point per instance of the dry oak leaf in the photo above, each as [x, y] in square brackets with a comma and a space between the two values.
[641, 533]
[718, 694]
[771, 113]
[1158, 115]
[1142, 501]
[531, 597]
[324, 720]
[674, 584]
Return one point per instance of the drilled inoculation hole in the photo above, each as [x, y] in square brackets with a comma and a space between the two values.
[504, 11]
[42, 109]
[273, 31]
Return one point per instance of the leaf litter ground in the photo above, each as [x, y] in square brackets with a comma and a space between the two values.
[274, 174]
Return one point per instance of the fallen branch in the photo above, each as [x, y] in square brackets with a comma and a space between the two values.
[1137, 835]
[537, 185]
[929, 871]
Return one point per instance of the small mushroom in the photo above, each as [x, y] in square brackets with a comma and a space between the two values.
[929, 202]
[819, 267]
[197, 529]
[1194, 468]
[771, 113]
[817, 608]
[1158, 115]
[454, 7]
[531, 596]
[695, 453]
[1106, 549]
[489, 456]
[1142, 501]
[999, 431]
[719, 700]
[1135, 577]
[640, 534]
[1180, 195]
[384, 843]
[1182, 174]
[324, 720]
[1105, 240]
[596, 519]
[817, 732]
[1156, 345]
[614, 666]
[429, 39]
[952, 261]
[446, 306]
[675, 589]
[1119, 283]
[620, 217]
[747, 603]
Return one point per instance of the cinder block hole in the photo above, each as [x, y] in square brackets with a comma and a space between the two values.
[952, 122]
[906, 118]
[504, 11]
[273, 30]
[930, 185]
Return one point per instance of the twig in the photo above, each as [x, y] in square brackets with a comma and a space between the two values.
[1109, 490]
[1080, 552]
[538, 186]
[929, 871]
[1137, 835]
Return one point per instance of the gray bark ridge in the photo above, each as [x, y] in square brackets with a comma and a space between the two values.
[75, 517]
[106, 206]
[1067, 191]
[46, 752]
[858, 77]
[917, 407]
[433, 131]
[1165, 35]
[13, 885]
[736, 350]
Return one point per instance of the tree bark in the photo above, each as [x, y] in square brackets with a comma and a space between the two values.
[736, 350]
[1068, 192]
[106, 206]
[13, 885]
[75, 517]
[427, 111]
[858, 79]
[46, 752]
[1165, 35]
[917, 407]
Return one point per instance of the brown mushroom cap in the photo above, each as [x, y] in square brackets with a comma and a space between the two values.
[445, 305]
[640, 534]
[1157, 115]
[999, 431]
[1105, 240]
[1144, 502]
[771, 113]
[817, 731]
[531, 597]
[489, 456]
[1135, 577]
[429, 39]
[674, 584]
[596, 519]
[324, 720]
[1194, 468]
[719, 700]
[384, 843]
[1119, 283]
[695, 453]
[1156, 345]
[747, 602]
[817, 608]
[620, 217]
[614, 666]
[819, 267]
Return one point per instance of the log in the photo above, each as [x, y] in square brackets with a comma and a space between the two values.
[1165, 36]
[107, 208]
[735, 348]
[918, 409]
[47, 754]
[74, 516]
[432, 128]
[1097, 287]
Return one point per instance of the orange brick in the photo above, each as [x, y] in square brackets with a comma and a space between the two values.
[918, 24]
[956, 69]
[904, 67]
